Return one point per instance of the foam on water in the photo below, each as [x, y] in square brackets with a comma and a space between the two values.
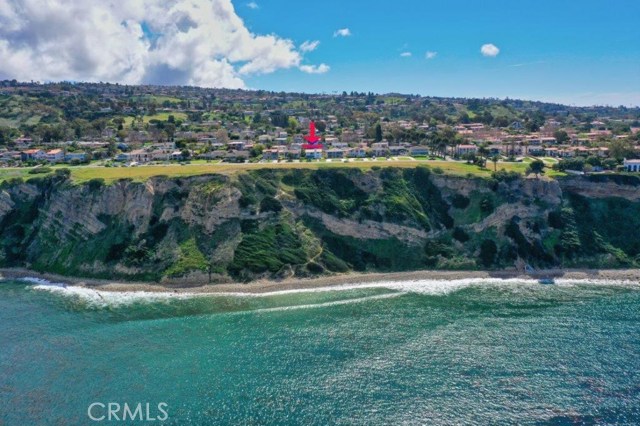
[326, 304]
[100, 298]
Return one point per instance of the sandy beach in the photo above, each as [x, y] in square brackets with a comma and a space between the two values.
[266, 286]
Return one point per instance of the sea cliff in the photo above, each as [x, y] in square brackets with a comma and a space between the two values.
[286, 223]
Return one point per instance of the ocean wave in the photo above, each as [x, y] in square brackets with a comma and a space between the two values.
[99, 298]
[325, 304]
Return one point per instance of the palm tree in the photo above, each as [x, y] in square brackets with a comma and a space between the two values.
[494, 160]
[483, 152]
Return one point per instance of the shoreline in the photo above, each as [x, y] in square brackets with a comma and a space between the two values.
[267, 286]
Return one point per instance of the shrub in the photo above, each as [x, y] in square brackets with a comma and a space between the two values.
[460, 201]
[63, 173]
[486, 205]
[40, 170]
[488, 251]
[270, 204]
[95, 183]
[505, 176]
[460, 234]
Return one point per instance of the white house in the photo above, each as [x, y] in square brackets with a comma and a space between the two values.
[335, 153]
[314, 154]
[466, 149]
[380, 149]
[75, 156]
[55, 156]
[632, 165]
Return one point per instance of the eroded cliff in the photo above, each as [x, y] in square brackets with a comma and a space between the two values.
[281, 223]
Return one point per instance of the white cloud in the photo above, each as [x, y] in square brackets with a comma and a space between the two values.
[406, 54]
[315, 69]
[309, 46]
[253, 5]
[431, 55]
[343, 32]
[489, 50]
[195, 42]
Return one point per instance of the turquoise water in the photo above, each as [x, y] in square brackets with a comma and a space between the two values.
[470, 352]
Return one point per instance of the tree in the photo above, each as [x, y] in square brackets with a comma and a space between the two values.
[222, 136]
[621, 149]
[494, 160]
[483, 153]
[536, 167]
[561, 136]
[378, 133]
[488, 251]
[321, 126]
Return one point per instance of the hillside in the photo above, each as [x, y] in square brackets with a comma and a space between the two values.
[283, 223]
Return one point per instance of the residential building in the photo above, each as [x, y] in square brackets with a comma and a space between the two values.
[314, 154]
[335, 153]
[418, 151]
[55, 156]
[33, 155]
[632, 165]
[466, 149]
[380, 149]
[75, 156]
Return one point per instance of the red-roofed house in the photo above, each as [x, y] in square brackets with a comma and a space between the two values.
[33, 154]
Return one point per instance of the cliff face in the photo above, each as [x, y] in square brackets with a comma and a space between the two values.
[270, 223]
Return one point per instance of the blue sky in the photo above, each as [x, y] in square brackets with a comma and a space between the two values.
[574, 52]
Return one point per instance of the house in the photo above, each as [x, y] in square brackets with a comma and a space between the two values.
[398, 150]
[237, 156]
[212, 155]
[336, 144]
[33, 155]
[466, 149]
[236, 145]
[380, 149]
[419, 151]
[536, 151]
[10, 156]
[551, 152]
[335, 153]
[55, 156]
[294, 153]
[632, 165]
[271, 154]
[75, 156]
[314, 154]
[23, 142]
[139, 156]
[359, 152]
[549, 141]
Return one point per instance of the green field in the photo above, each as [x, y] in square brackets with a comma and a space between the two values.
[142, 173]
[161, 116]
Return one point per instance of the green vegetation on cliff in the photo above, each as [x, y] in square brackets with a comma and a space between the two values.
[295, 222]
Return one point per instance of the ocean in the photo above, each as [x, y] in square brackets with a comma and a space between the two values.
[472, 352]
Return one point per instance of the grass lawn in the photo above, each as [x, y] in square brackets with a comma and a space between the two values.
[10, 173]
[162, 116]
[139, 174]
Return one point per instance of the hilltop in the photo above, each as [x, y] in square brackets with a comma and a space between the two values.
[109, 126]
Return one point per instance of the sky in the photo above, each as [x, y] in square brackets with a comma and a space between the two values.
[574, 52]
